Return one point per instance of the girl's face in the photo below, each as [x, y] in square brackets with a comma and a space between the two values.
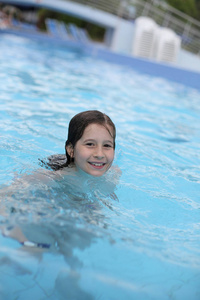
[94, 152]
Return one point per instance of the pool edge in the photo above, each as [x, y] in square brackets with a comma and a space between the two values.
[170, 72]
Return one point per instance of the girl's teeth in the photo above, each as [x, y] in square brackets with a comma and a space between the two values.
[98, 165]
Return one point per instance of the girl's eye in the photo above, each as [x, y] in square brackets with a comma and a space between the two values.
[108, 146]
[90, 144]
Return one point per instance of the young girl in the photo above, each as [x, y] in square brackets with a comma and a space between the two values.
[90, 146]
[90, 149]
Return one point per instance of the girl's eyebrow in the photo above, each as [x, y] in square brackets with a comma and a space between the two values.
[93, 140]
[108, 141]
[89, 140]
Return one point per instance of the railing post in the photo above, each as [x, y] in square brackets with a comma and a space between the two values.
[121, 8]
[186, 29]
[166, 20]
[146, 9]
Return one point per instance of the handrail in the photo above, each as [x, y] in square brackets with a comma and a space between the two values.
[163, 14]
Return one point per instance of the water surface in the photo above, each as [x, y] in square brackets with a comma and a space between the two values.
[142, 244]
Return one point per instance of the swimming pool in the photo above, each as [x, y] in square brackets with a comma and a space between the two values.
[144, 244]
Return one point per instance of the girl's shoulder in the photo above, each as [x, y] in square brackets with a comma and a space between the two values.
[54, 162]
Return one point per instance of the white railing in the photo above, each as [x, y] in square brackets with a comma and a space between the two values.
[164, 15]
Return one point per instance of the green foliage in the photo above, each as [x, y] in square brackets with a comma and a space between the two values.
[189, 7]
[96, 32]
[198, 8]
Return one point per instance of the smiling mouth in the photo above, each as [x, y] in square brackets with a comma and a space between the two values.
[97, 165]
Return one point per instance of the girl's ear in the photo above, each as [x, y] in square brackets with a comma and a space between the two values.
[70, 150]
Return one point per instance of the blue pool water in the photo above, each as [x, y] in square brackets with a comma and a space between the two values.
[144, 243]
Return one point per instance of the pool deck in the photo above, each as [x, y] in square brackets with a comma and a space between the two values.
[168, 71]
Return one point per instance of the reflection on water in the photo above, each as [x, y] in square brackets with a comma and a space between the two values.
[134, 236]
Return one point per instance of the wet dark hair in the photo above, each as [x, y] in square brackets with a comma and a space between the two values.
[78, 124]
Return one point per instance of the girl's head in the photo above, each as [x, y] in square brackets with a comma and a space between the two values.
[91, 142]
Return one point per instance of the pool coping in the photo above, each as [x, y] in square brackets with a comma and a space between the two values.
[156, 69]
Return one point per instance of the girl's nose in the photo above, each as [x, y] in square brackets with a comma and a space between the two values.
[99, 153]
